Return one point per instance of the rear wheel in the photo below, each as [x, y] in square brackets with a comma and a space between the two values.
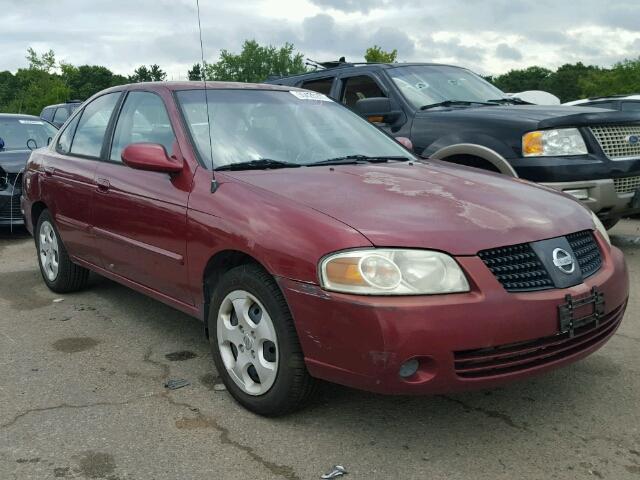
[254, 343]
[59, 273]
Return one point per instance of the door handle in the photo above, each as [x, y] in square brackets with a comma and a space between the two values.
[49, 171]
[103, 184]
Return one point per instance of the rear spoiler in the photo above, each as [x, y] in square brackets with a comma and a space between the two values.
[588, 119]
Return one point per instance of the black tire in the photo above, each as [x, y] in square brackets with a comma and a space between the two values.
[609, 223]
[293, 385]
[70, 277]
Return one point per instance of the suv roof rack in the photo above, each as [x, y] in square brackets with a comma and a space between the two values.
[73, 101]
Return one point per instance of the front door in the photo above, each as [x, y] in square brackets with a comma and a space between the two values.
[140, 216]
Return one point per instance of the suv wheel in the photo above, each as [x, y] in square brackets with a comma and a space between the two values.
[59, 273]
[254, 343]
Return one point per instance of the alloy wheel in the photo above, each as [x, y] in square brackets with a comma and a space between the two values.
[247, 342]
[49, 251]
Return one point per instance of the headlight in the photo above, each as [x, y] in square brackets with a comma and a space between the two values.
[600, 227]
[392, 272]
[547, 143]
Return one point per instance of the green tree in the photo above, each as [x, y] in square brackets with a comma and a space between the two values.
[564, 83]
[622, 78]
[45, 62]
[255, 63]
[375, 54]
[157, 74]
[140, 74]
[532, 78]
[195, 72]
[85, 80]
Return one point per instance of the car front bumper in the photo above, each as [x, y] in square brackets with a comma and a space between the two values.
[602, 197]
[479, 339]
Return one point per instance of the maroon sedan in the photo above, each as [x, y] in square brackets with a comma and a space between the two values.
[313, 246]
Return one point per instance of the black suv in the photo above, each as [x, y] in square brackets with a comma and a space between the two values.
[58, 114]
[452, 114]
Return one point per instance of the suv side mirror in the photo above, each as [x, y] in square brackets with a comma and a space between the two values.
[377, 110]
[150, 156]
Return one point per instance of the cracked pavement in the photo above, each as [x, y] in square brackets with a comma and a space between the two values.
[82, 396]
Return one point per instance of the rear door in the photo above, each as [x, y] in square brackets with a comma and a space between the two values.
[69, 173]
[140, 216]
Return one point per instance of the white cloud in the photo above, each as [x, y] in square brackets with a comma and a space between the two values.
[490, 36]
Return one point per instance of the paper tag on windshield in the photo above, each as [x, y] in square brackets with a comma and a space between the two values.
[310, 96]
[31, 122]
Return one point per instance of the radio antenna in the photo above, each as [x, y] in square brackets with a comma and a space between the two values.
[206, 97]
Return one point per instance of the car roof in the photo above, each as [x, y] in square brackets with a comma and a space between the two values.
[197, 85]
[604, 99]
[19, 115]
[363, 65]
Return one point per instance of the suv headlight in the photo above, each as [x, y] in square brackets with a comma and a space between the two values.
[600, 227]
[547, 143]
[392, 272]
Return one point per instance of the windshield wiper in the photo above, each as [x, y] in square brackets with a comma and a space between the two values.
[449, 103]
[260, 164]
[517, 100]
[354, 159]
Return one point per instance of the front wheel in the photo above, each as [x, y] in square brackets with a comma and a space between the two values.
[59, 273]
[254, 343]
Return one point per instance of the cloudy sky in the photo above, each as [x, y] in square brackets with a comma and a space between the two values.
[488, 36]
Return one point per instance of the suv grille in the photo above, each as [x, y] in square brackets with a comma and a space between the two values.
[614, 143]
[11, 209]
[518, 268]
[626, 184]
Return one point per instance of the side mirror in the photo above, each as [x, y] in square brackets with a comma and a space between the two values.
[150, 156]
[405, 142]
[377, 110]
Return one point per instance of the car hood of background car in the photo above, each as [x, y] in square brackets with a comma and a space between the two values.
[14, 161]
[427, 205]
[536, 116]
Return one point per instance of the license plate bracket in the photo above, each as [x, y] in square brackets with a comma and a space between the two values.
[569, 320]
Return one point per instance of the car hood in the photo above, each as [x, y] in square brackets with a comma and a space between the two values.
[428, 204]
[14, 161]
[539, 116]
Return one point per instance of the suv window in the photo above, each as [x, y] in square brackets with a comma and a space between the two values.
[357, 88]
[630, 106]
[61, 115]
[94, 119]
[142, 119]
[47, 114]
[321, 85]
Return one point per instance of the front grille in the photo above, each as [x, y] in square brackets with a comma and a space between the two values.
[614, 141]
[9, 207]
[518, 268]
[586, 252]
[515, 357]
[626, 184]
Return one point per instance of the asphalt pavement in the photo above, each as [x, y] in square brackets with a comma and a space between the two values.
[82, 396]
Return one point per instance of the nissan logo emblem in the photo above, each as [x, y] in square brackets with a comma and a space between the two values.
[563, 261]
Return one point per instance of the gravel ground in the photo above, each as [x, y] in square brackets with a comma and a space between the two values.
[81, 396]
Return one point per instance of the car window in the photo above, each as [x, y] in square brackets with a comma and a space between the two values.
[631, 106]
[358, 88]
[23, 133]
[64, 140]
[143, 118]
[61, 115]
[609, 105]
[322, 85]
[47, 114]
[94, 119]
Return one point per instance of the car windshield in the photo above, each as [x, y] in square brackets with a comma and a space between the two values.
[291, 127]
[424, 85]
[25, 133]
